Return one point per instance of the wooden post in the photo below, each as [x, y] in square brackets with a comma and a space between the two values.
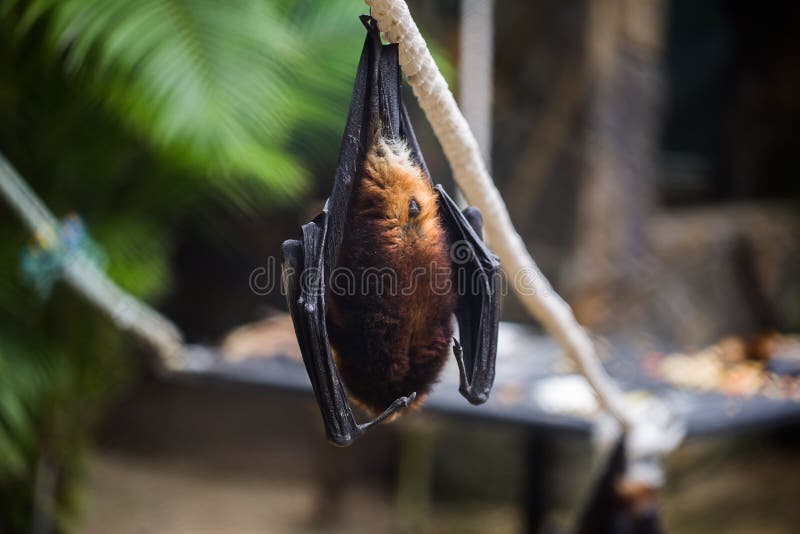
[624, 49]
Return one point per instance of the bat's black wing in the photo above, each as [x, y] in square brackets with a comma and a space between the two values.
[476, 279]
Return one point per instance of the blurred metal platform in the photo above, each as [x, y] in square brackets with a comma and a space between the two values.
[534, 386]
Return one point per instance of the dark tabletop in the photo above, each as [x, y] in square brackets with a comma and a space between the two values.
[535, 386]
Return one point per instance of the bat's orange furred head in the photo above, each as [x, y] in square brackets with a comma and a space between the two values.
[395, 189]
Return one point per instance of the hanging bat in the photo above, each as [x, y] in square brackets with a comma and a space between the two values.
[375, 280]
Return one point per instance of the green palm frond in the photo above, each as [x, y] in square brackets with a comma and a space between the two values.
[222, 87]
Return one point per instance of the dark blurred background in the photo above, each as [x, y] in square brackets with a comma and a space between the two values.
[646, 152]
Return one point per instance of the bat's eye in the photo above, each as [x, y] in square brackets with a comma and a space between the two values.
[413, 208]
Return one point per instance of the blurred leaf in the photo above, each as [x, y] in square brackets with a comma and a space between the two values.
[220, 86]
[244, 91]
[137, 254]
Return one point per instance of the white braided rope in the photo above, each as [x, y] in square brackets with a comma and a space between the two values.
[469, 172]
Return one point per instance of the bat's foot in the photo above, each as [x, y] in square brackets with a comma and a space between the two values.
[389, 413]
[347, 438]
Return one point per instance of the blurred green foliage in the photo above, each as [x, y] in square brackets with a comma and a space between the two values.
[220, 88]
[137, 114]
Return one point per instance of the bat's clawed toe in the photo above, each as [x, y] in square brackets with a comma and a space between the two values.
[410, 398]
[400, 403]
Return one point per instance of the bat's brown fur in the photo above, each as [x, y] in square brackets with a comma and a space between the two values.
[392, 342]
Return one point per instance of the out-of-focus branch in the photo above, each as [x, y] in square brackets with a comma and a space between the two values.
[83, 274]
